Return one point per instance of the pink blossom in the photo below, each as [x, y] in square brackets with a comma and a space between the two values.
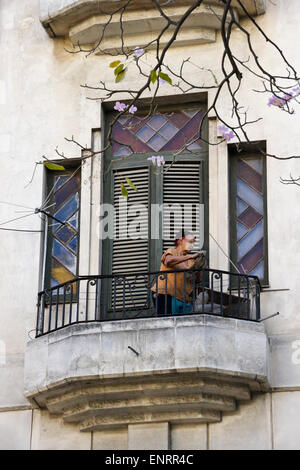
[138, 51]
[274, 101]
[157, 160]
[229, 135]
[132, 109]
[226, 133]
[222, 129]
[281, 102]
[120, 106]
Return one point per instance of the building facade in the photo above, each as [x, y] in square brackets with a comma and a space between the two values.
[181, 382]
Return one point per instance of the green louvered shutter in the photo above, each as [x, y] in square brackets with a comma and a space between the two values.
[130, 251]
[182, 190]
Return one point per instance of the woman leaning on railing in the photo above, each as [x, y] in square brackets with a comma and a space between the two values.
[172, 293]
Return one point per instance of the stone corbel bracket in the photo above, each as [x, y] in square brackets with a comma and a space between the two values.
[81, 22]
[180, 370]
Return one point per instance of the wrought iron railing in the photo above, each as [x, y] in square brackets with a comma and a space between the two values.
[148, 294]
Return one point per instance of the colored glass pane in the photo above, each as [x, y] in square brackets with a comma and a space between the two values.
[252, 258]
[122, 152]
[241, 230]
[258, 270]
[68, 209]
[64, 191]
[240, 206]
[157, 142]
[250, 196]
[145, 133]
[255, 163]
[74, 220]
[64, 240]
[249, 176]
[157, 121]
[168, 131]
[65, 233]
[73, 244]
[62, 254]
[60, 180]
[250, 240]
[249, 215]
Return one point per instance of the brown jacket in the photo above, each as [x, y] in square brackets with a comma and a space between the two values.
[179, 282]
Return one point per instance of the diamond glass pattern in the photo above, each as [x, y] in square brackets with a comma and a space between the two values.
[161, 132]
[250, 216]
[64, 249]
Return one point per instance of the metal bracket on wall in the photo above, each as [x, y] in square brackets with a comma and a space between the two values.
[270, 316]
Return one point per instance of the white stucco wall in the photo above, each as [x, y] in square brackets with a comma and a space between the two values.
[41, 103]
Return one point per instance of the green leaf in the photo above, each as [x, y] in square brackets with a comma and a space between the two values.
[119, 69]
[165, 77]
[153, 76]
[124, 191]
[214, 77]
[131, 184]
[114, 63]
[53, 166]
[120, 76]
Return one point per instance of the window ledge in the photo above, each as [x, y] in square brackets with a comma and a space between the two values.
[184, 369]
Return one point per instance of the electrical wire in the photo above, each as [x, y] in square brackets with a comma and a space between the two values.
[17, 218]
[224, 253]
[17, 205]
[33, 209]
[45, 208]
[22, 212]
[19, 230]
[251, 282]
[31, 179]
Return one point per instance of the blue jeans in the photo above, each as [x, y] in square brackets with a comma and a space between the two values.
[181, 307]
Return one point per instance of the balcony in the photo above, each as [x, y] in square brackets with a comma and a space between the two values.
[82, 21]
[132, 296]
[108, 352]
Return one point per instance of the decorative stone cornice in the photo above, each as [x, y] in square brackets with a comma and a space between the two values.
[81, 21]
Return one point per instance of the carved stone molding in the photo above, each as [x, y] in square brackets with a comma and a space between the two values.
[82, 22]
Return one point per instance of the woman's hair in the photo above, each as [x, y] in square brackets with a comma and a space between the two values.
[180, 235]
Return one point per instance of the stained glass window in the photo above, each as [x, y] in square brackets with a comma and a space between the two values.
[249, 216]
[162, 132]
[63, 237]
